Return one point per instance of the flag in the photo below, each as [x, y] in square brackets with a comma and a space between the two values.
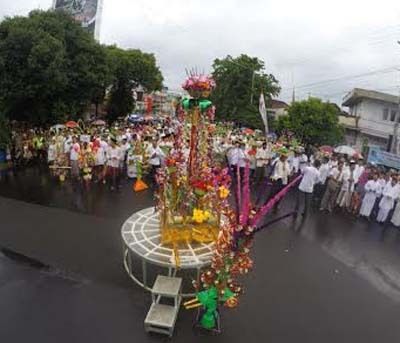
[263, 112]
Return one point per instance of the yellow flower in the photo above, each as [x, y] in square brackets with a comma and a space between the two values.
[200, 216]
[223, 192]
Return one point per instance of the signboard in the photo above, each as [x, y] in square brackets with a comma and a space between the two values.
[87, 12]
[85, 138]
[377, 156]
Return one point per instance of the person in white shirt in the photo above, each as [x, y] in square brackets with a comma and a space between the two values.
[237, 159]
[311, 177]
[359, 170]
[52, 151]
[371, 192]
[113, 162]
[280, 176]
[294, 162]
[99, 149]
[324, 170]
[303, 163]
[350, 179]
[281, 170]
[334, 182]
[333, 163]
[125, 146]
[74, 157]
[389, 195]
[383, 179]
[67, 145]
[156, 155]
[263, 156]
[251, 159]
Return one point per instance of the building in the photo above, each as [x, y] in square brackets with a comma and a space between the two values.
[276, 108]
[371, 117]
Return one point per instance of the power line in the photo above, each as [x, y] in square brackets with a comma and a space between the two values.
[375, 72]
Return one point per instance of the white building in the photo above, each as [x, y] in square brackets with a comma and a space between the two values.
[371, 117]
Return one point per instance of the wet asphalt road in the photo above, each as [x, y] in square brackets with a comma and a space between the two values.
[328, 279]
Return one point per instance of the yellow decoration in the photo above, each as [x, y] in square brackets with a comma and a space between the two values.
[223, 192]
[200, 216]
[191, 233]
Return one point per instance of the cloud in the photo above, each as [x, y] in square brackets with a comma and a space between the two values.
[303, 42]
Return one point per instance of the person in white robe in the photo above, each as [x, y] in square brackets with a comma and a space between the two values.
[395, 220]
[350, 179]
[372, 189]
[396, 214]
[390, 193]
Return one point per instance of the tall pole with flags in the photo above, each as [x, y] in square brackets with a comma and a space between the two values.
[263, 112]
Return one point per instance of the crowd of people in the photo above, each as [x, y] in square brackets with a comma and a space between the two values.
[347, 184]
[330, 182]
[108, 155]
[99, 154]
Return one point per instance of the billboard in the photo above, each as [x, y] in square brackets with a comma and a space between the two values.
[87, 12]
[379, 157]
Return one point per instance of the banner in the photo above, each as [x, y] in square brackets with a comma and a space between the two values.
[86, 12]
[263, 112]
[379, 157]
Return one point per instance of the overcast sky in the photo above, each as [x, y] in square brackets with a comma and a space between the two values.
[324, 48]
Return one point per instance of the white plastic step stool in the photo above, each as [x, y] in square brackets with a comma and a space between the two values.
[162, 318]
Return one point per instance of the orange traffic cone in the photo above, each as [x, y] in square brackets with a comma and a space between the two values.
[139, 186]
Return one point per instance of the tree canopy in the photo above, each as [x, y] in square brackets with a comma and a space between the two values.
[238, 81]
[130, 68]
[313, 122]
[51, 69]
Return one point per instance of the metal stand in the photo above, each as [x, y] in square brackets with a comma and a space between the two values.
[141, 239]
[162, 317]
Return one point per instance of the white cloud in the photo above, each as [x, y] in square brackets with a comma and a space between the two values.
[302, 41]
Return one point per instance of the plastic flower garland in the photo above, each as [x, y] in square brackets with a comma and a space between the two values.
[201, 83]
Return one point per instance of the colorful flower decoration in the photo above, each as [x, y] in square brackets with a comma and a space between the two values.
[200, 216]
[223, 192]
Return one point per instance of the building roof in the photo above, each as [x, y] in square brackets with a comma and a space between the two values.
[275, 104]
[357, 94]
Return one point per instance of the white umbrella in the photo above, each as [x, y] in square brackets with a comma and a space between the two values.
[57, 127]
[345, 150]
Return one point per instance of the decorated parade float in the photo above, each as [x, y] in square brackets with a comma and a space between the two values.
[205, 220]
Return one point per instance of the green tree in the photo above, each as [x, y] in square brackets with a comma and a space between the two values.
[238, 81]
[313, 122]
[5, 132]
[50, 68]
[130, 68]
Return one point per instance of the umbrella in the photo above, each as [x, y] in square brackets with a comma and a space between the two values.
[99, 122]
[326, 149]
[358, 156]
[57, 127]
[71, 124]
[345, 150]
